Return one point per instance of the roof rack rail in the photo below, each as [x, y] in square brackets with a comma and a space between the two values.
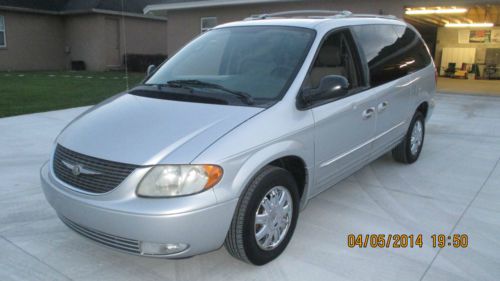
[373, 16]
[327, 13]
[318, 14]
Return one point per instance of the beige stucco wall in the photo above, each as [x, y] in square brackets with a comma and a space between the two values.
[145, 36]
[86, 38]
[50, 42]
[34, 42]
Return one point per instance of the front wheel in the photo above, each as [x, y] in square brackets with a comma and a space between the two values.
[410, 147]
[265, 219]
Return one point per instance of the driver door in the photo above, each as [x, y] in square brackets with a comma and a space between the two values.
[344, 125]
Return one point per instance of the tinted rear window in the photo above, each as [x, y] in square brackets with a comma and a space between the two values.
[391, 51]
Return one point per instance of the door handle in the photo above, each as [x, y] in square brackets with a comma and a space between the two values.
[382, 106]
[368, 113]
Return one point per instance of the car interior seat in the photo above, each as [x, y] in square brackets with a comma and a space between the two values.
[329, 62]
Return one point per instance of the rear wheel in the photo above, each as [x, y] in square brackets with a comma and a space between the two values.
[265, 219]
[410, 147]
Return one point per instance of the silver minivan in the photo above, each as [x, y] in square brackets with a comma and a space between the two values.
[227, 141]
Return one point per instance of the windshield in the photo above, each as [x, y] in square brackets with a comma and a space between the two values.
[257, 61]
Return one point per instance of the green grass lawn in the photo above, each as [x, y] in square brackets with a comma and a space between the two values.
[29, 92]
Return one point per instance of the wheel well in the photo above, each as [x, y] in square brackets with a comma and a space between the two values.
[296, 167]
[423, 107]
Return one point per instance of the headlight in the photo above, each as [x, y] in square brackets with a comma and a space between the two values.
[178, 180]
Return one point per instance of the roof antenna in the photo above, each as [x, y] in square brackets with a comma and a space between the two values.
[124, 33]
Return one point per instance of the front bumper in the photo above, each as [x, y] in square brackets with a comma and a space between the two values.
[122, 216]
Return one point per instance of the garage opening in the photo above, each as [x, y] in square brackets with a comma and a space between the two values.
[465, 44]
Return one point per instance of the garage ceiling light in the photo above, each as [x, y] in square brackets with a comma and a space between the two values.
[435, 11]
[484, 24]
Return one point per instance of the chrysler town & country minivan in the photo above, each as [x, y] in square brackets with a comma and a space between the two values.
[226, 141]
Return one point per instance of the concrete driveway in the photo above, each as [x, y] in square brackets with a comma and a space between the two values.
[453, 188]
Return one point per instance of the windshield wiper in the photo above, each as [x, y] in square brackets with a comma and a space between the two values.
[201, 84]
[184, 94]
[161, 86]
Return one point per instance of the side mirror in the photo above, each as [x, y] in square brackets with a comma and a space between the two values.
[151, 69]
[330, 86]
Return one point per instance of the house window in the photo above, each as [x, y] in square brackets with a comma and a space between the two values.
[2, 32]
[208, 23]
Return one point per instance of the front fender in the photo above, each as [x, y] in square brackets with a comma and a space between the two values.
[269, 154]
[241, 169]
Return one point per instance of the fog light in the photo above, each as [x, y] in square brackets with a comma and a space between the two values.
[156, 249]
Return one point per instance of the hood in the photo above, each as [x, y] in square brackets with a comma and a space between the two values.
[147, 131]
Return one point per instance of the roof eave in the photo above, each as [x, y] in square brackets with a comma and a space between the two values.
[204, 4]
[28, 10]
[127, 14]
[81, 12]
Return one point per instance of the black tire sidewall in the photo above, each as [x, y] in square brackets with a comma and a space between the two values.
[276, 177]
[409, 156]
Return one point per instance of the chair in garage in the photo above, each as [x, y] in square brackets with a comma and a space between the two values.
[490, 71]
[450, 71]
[462, 72]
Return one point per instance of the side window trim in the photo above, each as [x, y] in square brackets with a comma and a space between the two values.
[362, 80]
[362, 57]
[357, 61]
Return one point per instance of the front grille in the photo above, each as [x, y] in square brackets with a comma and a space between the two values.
[116, 242]
[93, 174]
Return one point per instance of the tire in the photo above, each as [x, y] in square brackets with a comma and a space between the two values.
[241, 241]
[405, 152]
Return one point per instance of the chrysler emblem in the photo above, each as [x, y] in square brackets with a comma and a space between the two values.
[78, 169]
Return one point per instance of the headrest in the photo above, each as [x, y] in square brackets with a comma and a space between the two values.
[329, 56]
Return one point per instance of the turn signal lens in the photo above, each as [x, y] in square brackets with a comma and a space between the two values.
[214, 174]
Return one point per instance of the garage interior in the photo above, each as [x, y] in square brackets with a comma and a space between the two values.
[465, 44]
